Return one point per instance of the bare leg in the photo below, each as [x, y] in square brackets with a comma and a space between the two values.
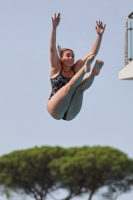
[59, 103]
[77, 99]
[87, 82]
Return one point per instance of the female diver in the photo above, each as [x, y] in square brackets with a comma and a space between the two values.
[66, 77]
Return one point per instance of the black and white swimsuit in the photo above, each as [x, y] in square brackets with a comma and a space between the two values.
[58, 82]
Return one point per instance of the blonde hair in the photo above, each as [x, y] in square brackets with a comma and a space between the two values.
[61, 51]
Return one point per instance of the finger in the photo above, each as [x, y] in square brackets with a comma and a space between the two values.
[97, 23]
[104, 26]
[58, 19]
[58, 16]
[101, 25]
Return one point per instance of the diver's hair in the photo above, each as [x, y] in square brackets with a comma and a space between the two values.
[61, 51]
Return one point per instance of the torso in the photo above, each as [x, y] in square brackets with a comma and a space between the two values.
[60, 80]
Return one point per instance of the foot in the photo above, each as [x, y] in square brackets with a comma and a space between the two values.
[88, 63]
[97, 67]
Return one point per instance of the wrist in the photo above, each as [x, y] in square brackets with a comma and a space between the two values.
[54, 27]
[100, 34]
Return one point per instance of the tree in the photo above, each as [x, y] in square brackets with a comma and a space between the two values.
[85, 170]
[28, 171]
[91, 169]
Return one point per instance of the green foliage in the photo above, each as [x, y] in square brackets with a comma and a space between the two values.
[28, 170]
[93, 168]
[39, 171]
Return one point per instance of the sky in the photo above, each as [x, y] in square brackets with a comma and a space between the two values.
[107, 111]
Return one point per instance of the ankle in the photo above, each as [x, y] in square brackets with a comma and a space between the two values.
[86, 69]
[92, 74]
[82, 70]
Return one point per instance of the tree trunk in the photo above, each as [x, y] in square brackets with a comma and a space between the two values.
[92, 192]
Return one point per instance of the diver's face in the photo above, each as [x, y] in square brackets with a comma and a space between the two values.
[68, 58]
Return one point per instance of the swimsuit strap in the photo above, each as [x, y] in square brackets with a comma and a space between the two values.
[61, 68]
[73, 70]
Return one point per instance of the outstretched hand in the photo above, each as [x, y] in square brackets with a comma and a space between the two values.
[100, 28]
[56, 20]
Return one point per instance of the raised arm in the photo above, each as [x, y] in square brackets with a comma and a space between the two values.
[95, 48]
[54, 59]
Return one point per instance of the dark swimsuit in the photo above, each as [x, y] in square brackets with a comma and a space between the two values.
[57, 83]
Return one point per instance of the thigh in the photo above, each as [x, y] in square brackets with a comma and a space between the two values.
[75, 104]
[59, 103]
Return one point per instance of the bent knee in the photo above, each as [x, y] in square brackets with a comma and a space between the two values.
[57, 117]
[70, 117]
[52, 113]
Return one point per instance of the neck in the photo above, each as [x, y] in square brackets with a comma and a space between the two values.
[66, 68]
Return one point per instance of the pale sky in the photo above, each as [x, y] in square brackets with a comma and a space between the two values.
[107, 112]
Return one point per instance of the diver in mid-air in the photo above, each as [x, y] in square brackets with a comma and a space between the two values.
[66, 75]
